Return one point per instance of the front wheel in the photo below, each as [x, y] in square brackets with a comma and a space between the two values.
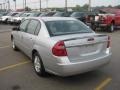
[38, 65]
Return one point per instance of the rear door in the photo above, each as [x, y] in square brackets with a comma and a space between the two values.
[30, 36]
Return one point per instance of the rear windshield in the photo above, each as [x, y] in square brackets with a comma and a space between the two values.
[64, 27]
[58, 14]
[17, 15]
[25, 15]
[14, 14]
[77, 14]
[34, 14]
[9, 14]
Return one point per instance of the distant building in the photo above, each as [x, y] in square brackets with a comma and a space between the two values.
[110, 10]
[20, 10]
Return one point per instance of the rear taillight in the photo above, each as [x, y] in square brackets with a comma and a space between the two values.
[109, 42]
[103, 18]
[59, 49]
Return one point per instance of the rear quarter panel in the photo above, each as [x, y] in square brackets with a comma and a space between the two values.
[117, 19]
[43, 45]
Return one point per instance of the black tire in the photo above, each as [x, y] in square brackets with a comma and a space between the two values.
[38, 65]
[6, 21]
[14, 46]
[111, 27]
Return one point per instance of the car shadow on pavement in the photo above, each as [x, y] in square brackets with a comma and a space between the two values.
[89, 77]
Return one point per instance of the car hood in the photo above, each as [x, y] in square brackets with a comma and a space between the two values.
[6, 16]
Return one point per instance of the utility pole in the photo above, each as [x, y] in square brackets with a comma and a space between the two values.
[66, 6]
[25, 3]
[89, 8]
[0, 6]
[8, 5]
[40, 5]
[15, 3]
[46, 4]
[4, 5]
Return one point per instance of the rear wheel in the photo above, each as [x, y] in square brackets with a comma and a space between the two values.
[38, 65]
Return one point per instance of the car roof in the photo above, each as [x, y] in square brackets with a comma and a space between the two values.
[52, 18]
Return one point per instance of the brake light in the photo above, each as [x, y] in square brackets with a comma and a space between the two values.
[59, 49]
[109, 42]
[102, 18]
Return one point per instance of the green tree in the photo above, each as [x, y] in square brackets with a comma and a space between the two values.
[27, 9]
[77, 8]
[85, 7]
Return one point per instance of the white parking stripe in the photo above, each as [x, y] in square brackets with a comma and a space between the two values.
[3, 31]
[4, 47]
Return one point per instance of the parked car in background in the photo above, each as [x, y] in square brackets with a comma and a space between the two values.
[43, 14]
[47, 14]
[90, 19]
[61, 45]
[80, 16]
[107, 21]
[34, 14]
[50, 14]
[11, 20]
[4, 19]
[62, 14]
[2, 14]
[90, 16]
[18, 19]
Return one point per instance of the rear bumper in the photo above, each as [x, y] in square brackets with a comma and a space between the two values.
[81, 67]
[99, 24]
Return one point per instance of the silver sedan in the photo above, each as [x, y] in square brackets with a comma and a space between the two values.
[60, 45]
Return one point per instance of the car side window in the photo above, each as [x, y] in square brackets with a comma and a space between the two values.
[37, 29]
[32, 26]
[23, 25]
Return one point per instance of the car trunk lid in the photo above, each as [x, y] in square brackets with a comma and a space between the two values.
[86, 47]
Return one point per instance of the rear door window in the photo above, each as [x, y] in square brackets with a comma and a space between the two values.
[32, 26]
[23, 25]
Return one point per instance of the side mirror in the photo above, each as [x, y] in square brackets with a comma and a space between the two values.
[15, 29]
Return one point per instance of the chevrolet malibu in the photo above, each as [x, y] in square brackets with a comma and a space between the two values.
[61, 45]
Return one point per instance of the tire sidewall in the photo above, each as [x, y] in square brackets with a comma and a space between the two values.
[42, 70]
[13, 45]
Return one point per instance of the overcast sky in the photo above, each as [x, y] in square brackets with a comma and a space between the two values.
[60, 3]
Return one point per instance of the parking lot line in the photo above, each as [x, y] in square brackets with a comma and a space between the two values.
[4, 47]
[13, 66]
[103, 84]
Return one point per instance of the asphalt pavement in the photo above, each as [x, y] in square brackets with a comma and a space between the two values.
[17, 73]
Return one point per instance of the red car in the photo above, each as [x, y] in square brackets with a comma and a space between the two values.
[108, 21]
